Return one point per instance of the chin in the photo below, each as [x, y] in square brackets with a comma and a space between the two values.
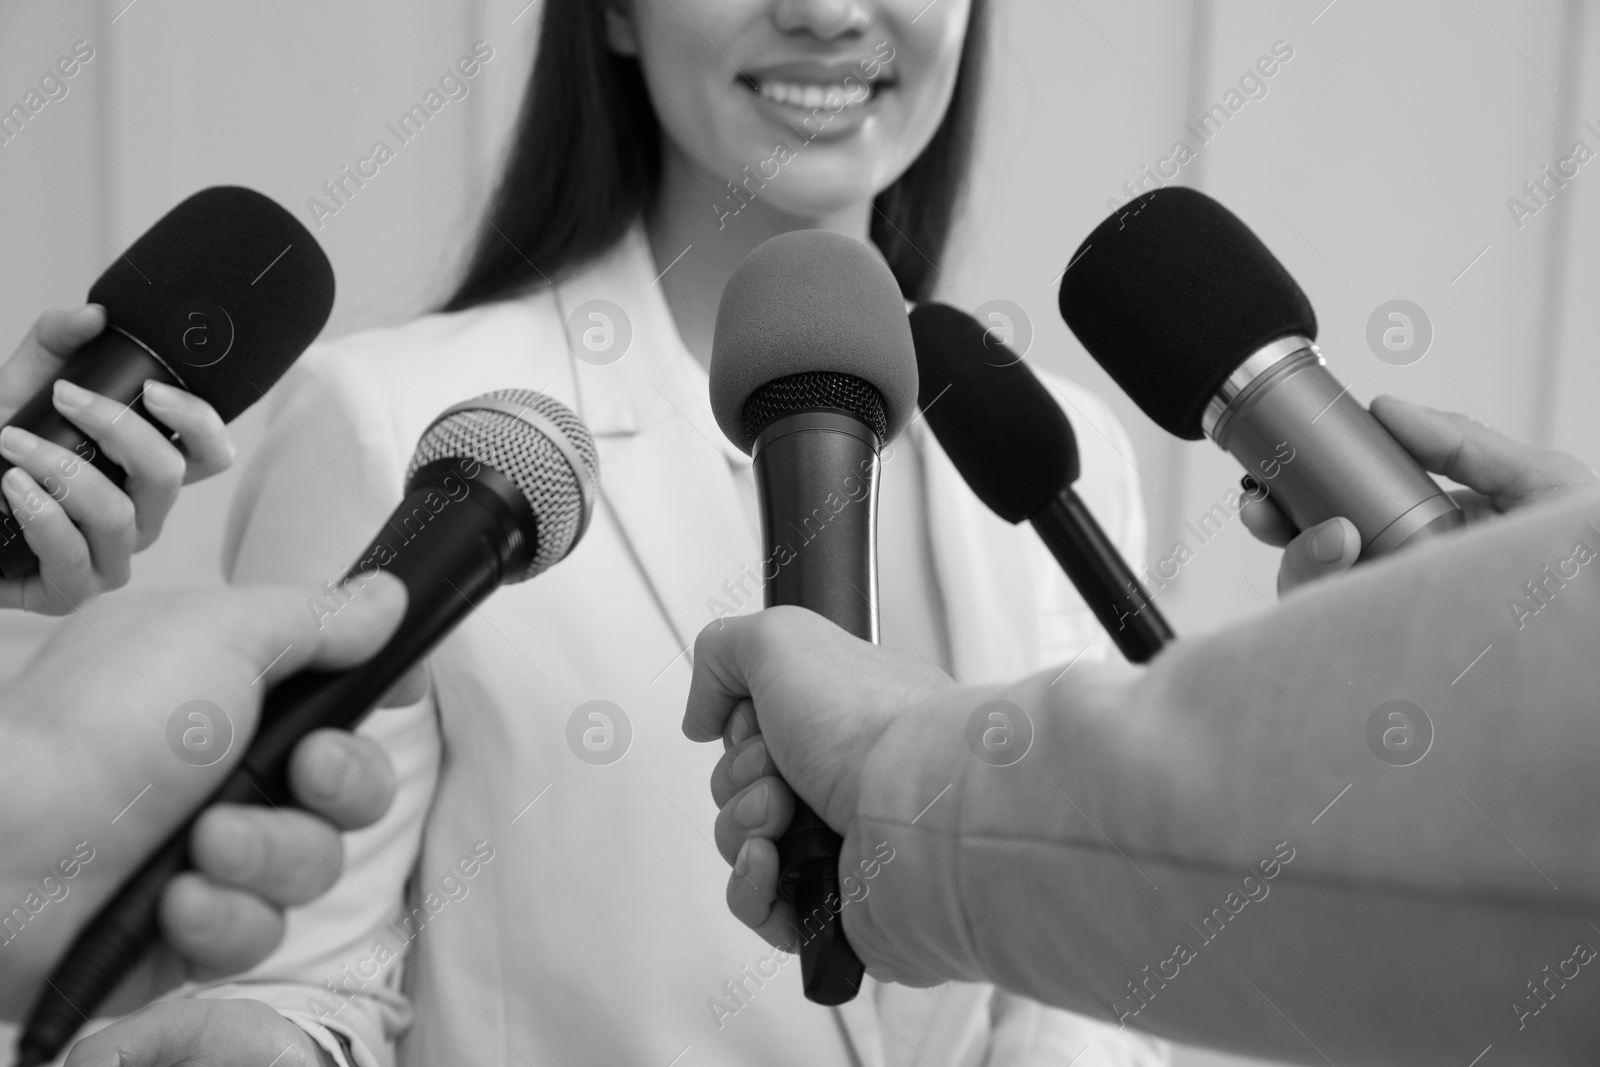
[825, 193]
[821, 179]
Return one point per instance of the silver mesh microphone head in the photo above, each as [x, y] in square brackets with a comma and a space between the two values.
[536, 442]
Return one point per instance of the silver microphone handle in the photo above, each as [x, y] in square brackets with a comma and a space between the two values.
[1321, 453]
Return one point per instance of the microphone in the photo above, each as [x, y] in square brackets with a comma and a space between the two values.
[812, 373]
[219, 297]
[1203, 328]
[500, 488]
[1015, 448]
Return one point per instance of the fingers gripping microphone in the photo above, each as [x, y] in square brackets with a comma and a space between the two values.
[1013, 445]
[1197, 321]
[501, 487]
[812, 373]
[219, 297]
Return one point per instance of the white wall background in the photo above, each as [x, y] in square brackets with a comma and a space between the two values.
[1377, 167]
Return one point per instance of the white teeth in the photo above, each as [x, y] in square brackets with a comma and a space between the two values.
[812, 96]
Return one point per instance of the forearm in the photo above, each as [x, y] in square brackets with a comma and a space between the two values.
[1229, 751]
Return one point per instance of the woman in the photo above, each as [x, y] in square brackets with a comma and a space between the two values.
[660, 142]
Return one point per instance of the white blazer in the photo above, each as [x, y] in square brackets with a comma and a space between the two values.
[592, 927]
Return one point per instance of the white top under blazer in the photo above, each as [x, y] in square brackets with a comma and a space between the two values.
[550, 911]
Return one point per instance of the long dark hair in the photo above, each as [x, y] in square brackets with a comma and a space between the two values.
[586, 163]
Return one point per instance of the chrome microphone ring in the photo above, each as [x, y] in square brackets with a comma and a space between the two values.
[1249, 375]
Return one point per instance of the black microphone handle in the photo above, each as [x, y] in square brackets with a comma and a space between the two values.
[112, 365]
[450, 556]
[817, 475]
[1104, 580]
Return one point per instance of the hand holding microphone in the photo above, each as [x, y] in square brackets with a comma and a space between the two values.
[111, 408]
[1206, 331]
[1500, 476]
[824, 698]
[1006, 887]
[501, 487]
[81, 524]
[82, 734]
[813, 373]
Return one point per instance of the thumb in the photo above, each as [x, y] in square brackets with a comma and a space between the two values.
[328, 632]
[198, 1033]
[1325, 549]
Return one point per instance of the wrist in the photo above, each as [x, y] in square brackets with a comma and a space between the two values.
[974, 768]
[885, 754]
[908, 784]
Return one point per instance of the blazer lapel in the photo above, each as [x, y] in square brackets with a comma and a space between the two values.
[675, 502]
[666, 472]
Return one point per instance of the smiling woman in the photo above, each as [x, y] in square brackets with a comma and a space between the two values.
[730, 86]
[659, 142]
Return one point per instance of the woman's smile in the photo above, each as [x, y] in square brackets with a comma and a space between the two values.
[823, 99]
[852, 91]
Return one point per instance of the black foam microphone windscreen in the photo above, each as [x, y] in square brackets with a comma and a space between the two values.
[226, 289]
[219, 297]
[1170, 293]
[1014, 447]
[998, 423]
